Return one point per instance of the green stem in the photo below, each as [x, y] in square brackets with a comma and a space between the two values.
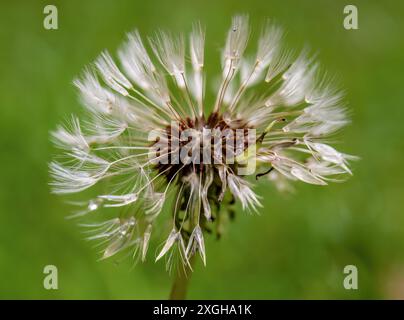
[181, 282]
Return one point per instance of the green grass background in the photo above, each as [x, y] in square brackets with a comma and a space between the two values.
[297, 247]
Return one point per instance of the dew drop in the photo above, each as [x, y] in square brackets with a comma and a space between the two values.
[92, 205]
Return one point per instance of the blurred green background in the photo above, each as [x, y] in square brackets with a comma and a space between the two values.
[298, 246]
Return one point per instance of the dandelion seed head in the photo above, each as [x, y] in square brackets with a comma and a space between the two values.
[149, 141]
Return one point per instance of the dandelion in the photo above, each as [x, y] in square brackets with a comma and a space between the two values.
[152, 138]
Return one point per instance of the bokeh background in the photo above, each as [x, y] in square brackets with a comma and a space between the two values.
[297, 248]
